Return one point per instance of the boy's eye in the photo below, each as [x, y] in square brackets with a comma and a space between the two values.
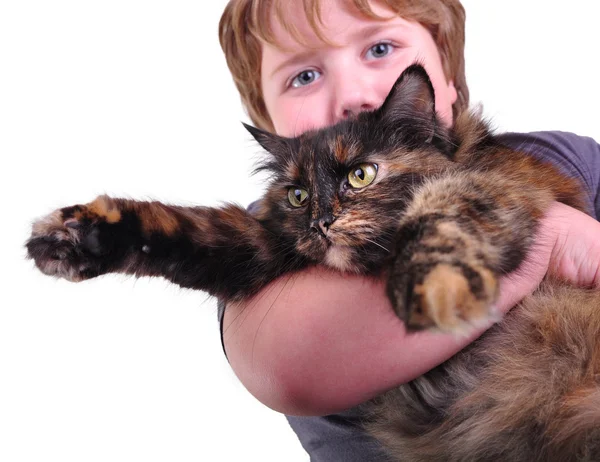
[379, 50]
[305, 78]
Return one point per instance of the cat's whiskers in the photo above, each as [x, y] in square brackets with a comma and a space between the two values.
[377, 244]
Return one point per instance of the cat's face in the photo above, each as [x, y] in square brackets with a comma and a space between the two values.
[338, 193]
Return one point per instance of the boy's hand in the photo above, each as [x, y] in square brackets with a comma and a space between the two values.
[319, 342]
[567, 247]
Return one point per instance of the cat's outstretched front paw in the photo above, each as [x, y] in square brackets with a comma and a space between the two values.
[448, 297]
[75, 243]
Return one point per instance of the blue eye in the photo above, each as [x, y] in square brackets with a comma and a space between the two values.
[379, 50]
[305, 78]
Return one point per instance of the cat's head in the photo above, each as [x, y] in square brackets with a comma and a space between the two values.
[337, 193]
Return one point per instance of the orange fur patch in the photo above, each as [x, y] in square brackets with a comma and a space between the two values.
[155, 217]
[104, 207]
[447, 300]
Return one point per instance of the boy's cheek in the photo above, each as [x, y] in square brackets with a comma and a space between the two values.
[292, 118]
[445, 98]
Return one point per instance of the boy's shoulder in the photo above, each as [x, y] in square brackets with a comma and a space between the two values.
[577, 156]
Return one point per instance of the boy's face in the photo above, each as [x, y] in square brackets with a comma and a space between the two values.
[307, 87]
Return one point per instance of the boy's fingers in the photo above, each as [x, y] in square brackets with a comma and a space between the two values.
[576, 253]
[567, 246]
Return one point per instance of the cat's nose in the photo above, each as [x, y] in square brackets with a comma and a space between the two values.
[322, 224]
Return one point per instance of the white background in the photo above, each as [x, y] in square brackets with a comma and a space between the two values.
[133, 98]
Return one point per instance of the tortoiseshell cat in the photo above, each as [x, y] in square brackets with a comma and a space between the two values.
[443, 213]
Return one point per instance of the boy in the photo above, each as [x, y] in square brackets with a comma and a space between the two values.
[330, 341]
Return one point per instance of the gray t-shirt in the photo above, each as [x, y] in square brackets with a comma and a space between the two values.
[339, 437]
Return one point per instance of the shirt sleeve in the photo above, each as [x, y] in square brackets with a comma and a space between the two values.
[220, 314]
[337, 438]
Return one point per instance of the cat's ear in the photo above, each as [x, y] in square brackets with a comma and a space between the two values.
[270, 142]
[412, 96]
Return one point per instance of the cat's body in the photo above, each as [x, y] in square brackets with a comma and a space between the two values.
[527, 390]
[443, 213]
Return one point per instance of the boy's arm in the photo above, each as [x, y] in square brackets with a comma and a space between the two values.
[319, 342]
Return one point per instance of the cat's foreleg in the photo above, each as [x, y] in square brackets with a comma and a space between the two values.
[223, 251]
[460, 233]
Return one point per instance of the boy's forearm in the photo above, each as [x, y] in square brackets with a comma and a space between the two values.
[319, 342]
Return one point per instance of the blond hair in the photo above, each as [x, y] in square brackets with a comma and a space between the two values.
[245, 23]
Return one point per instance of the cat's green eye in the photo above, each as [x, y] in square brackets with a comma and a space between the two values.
[362, 175]
[297, 196]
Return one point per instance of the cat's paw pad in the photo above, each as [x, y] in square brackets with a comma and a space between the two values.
[453, 299]
[67, 242]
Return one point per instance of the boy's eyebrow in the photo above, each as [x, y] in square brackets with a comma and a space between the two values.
[369, 30]
[298, 57]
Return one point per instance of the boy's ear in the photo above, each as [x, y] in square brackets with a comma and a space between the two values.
[412, 96]
[270, 142]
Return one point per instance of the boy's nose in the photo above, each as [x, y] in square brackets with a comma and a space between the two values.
[353, 108]
[354, 97]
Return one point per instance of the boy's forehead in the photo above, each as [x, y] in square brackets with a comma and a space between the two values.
[294, 31]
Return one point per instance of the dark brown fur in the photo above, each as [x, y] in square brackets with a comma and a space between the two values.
[527, 390]
[447, 214]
